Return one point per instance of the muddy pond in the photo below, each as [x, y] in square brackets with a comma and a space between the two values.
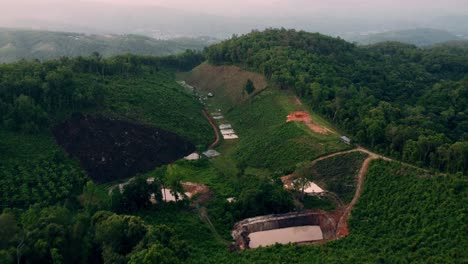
[285, 235]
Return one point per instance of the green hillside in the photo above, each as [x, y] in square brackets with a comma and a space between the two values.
[44, 45]
[32, 105]
[391, 99]
[403, 101]
[459, 47]
[418, 37]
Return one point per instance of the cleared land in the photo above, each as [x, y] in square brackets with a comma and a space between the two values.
[227, 83]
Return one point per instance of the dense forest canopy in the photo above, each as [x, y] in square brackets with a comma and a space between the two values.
[52, 213]
[33, 94]
[407, 102]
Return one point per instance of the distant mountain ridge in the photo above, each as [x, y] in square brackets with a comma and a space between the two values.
[18, 44]
[418, 37]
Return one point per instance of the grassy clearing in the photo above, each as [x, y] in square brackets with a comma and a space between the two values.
[339, 174]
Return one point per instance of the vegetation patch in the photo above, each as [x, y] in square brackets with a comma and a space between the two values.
[339, 174]
[399, 218]
[112, 149]
[267, 141]
[157, 100]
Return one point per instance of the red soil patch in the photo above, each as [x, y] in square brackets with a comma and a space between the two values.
[299, 116]
[287, 180]
[302, 116]
[204, 193]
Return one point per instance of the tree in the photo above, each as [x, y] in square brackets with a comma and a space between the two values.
[120, 233]
[93, 199]
[249, 87]
[301, 180]
[174, 182]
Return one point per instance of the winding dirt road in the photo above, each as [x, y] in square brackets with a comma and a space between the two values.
[215, 128]
[342, 226]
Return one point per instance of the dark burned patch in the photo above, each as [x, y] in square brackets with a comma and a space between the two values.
[112, 149]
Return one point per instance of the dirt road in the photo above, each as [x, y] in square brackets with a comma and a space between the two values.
[215, 128]
[342, 226]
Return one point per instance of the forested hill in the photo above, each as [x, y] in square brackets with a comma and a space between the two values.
[418, 36]
[452, 47]
[44, 45]
[403, 101]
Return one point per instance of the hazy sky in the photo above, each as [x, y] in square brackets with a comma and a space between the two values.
[225, 17]
[281, 7]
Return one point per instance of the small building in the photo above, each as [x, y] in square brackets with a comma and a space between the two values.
[211, 153]
[345, 140]
[193, 156]
[225, 126]
[150, 180]
[230, 136]
[227, 131]
[210, 94]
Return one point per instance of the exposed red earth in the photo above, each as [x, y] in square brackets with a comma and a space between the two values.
[303, 116]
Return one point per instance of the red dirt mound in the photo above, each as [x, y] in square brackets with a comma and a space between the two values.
[302, 116]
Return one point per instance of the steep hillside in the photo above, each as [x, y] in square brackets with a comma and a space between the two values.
[267, 141]
[225, 82]
[31, 107]
[418, 37]
[44, 45]
[392, 97]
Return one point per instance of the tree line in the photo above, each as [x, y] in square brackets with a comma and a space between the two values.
[33, 93]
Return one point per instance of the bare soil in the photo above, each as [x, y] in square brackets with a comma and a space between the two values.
[226, 82]
[302, 116]
[111, 149]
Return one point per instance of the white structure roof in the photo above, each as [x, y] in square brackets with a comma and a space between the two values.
[211, 153]
[230, 136]
[193, 156]
[227, 131]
